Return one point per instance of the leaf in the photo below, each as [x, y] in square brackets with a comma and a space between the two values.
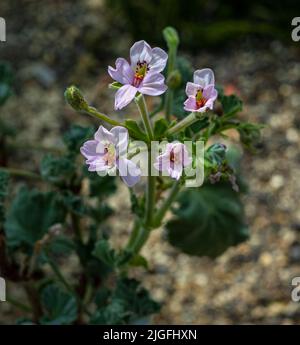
[100, 186]
[231, 104]
[112, 314]
[250, 134]
[4, 179]
[31, 215]
[208, 220]
[57, 170]
[60, 307]
[75, 204]
[136, 298]
[139, 261]
[6, 81]
[160, 127]
[135, 131]
[216, 154]
[129, 303]
[76, 136]
[104, 252]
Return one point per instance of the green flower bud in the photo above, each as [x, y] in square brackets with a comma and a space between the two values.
[171, 36]
[74, 97]
[174, 80]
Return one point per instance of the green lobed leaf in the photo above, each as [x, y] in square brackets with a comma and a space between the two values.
[230, 104]
[76, 136]
[135, 130]
[208, 220]
[31, 215]
[100, 186]
[216, 154]
[60, 307]
[104, 252]
[160, 128]
[129, 302]
[57, 169]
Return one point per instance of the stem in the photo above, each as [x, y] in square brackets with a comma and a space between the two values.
[34, 299]
[59, 275]
[93, 112]
[138, 238]
[22, 173]
[140, 102]
[167, 203]
[18, 304]
[186, 122]
[150, 196]
[151, 185]
[33, 147]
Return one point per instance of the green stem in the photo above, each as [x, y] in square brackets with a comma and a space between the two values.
[21, 173]
[167, 203]
[59, 275]
[151, 185]
[18, 304]
[186, 122]
[93, 112]
[141, 104]
[138, 238]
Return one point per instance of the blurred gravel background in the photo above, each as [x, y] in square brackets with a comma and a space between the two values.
[54, 43]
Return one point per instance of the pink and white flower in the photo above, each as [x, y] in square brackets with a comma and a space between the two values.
[107, 153]
[173, 160]
[141, 75]
[201, 93]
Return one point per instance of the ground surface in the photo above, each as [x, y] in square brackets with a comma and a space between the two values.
[250, 283]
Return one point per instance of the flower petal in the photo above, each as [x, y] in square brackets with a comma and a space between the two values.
[123, 73]
[129, 172]
[139, 52]
[121, 137]
[210, 92]
[204, 77]
[190, 104]
[124, 96]
[191, 89]
[89, 149]
[153, 84]
[103, 135]
[158, 61]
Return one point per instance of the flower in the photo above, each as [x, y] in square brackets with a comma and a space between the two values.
[141, 75]
[173, 160]
[201, 93]
[106, 154]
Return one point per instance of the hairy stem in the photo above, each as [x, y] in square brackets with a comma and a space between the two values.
[93, 112]
[21, 173]
[167, 203]
[186, 122]
[141, 104]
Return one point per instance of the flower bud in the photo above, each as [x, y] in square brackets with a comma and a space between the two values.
[171, 36]
[74, 97]
[174, 80]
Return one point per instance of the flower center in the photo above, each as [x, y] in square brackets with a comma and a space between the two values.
[200, 100]
[109, 154]
[140, 72]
